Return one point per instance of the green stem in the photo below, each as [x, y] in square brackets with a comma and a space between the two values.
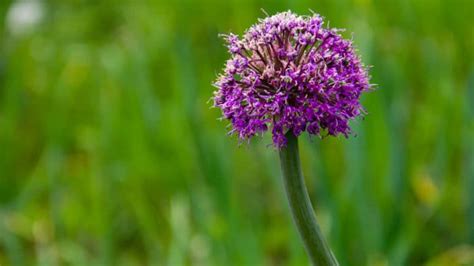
[318, 250]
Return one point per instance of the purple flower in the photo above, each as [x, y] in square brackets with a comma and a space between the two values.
[289, 73]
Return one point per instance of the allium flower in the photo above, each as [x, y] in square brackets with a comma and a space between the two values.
[288, 72]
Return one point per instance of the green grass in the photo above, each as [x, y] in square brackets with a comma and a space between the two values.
[110, 154]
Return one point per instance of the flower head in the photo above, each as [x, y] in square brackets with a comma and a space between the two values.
[289, 73]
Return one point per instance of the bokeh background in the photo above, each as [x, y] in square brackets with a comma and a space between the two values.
[111, 155]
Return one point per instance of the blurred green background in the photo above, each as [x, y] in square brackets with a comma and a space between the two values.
[111, 155]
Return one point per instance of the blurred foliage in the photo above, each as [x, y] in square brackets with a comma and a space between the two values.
[110, 154]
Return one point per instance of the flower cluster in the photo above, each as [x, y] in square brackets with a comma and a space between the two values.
[289, 73]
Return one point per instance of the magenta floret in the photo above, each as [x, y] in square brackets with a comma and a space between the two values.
[288, 72]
